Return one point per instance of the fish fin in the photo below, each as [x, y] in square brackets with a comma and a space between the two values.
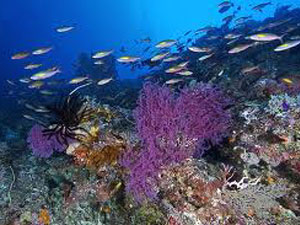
[281, 38]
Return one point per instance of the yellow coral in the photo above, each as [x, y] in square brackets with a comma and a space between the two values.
[44, 217]
[107, 155]
[106, 113]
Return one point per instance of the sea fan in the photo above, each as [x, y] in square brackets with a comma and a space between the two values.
[41, 145]
[173, 128]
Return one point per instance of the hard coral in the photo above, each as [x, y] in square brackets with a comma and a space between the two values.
[173, 128]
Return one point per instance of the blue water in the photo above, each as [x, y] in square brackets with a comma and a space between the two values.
[100, 25]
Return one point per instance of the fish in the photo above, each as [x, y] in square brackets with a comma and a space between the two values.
[228, 19]
[185, 73]
[37, 84]
[10, 82]
[264, 37]
[250, 69]
[183, 64]
[287, 45]
[204, 30]
[296, 37]
[174, 69]
[177, 68]
[240, 48]
[146, 40]
[32, 66]
[39, 109]
[64, 29]
[173, 81]
[214, 37]
[166, 43]
[46, 92]
[42, 51]
[242, 19]
[205, 57]
[187, 33]
[287, 80]
[45, 74]
[28, 117]
[25, 80]
[99, 62]
[221, 73]
[261, 6]
[274, 24]
[128, 59]
[171, 59]
[20, 55]
[225, 6]
[102, 54]
[225, 3]
[77, 80]
[291, 29]
[232, 41]
[199, 50]
[159, 57]
[147, 49]
[105, 81]
[232, 36]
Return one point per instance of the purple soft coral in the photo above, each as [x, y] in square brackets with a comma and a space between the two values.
[172, 129]
[41, 145]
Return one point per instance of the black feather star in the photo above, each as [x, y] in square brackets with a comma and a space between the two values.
[66, 117]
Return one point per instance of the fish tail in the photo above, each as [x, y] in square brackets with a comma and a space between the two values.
[281, 38]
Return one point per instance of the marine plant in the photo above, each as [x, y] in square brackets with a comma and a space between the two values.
[66, 118]
[172, 128]
[41, 145]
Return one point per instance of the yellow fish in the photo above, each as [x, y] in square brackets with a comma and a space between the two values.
[287, 80]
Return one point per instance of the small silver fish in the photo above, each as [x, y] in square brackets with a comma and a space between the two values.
[240, 48]
[159, 57]
[185, 73]
[173, 81]
[199, 49]
[25, 80]
[171, 59]
[32, 66]
[99, 62]
[64, 29]
[166, 43]
[77, 80]
[102, 54]
[105, 81]
[205, 57]
[42, 51]
[128, 59]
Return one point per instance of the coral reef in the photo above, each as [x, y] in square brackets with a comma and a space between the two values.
[184, 154]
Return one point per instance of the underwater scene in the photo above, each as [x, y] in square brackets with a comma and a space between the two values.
[139, 112]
